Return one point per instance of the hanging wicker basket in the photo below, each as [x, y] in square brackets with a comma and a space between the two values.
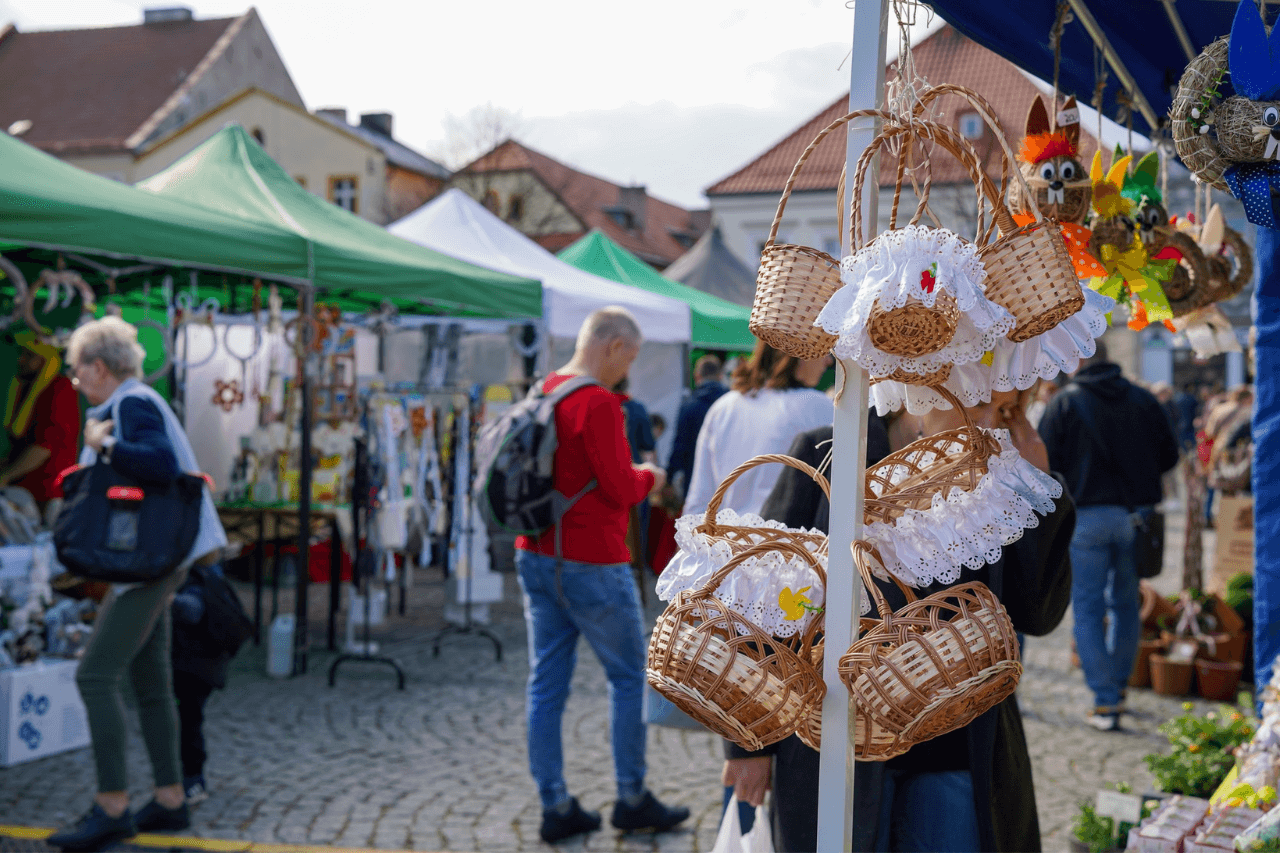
[727, 673]
[930, 667]
[741, 537]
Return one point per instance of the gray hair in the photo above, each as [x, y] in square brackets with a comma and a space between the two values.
[113, 341]
[607, 324]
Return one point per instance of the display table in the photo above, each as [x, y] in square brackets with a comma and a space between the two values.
[250, 522]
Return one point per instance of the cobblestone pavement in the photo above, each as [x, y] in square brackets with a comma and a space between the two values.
[441, 765]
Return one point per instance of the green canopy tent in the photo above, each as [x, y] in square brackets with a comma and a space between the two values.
[717, 324]
[352, 261]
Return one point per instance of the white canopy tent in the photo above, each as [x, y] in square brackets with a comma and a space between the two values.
[459, 226]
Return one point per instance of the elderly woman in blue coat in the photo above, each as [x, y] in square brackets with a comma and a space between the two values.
[133, 429]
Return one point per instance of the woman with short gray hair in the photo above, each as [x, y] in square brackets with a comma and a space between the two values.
[131, 428]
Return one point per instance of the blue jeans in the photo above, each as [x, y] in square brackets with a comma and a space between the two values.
[927, 813]
[598, 602]
[1104, 582]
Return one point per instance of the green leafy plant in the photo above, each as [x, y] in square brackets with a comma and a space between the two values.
[1201, 750]
[1101, 833]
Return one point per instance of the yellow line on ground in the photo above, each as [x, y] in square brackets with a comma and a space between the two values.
[188, 842]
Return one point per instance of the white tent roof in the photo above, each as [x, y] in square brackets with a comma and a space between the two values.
[459, 226]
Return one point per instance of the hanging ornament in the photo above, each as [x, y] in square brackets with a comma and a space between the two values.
[227, 395]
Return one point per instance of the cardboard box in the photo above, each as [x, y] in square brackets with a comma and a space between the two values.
[1233, 521]
[40, 711]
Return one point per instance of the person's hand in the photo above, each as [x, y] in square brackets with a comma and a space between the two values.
[95, 431]
[659, 476]
[750, 778]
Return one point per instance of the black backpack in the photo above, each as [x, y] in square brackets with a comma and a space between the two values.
[514, 458]
[225, 619]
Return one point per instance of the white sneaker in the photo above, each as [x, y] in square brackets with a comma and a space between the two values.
[1104, 722]
[196, 792]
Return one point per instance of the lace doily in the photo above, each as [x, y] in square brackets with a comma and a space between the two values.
[753, 589]
[1014, 366]
[966, 529]
[914, 261]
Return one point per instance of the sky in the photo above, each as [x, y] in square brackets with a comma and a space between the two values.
[671, 94]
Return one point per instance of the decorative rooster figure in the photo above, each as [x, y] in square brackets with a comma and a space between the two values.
[1050, 156]
[1132, 277]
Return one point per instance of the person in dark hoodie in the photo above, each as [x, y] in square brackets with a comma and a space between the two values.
[970, 789]
[1112, 442]
[709, 387]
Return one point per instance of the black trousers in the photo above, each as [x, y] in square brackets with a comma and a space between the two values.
[192, 692]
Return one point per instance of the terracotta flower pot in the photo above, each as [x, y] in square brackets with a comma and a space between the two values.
[1226, 647]
[1217, 680]
[1170, 678]
[1141, 675]
[1152, 606]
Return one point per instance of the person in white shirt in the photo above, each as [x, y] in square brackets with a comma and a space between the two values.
[771, 402]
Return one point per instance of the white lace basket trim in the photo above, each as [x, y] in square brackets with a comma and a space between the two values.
[967, 529]
[1014, 366]
[888, 271]
[753, 588]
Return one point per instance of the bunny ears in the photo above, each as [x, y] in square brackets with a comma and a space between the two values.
[1044, 139]
[1143, 184]
[1107, 200]
[1254, 55]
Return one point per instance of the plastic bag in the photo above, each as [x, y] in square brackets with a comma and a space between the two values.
[730, 838]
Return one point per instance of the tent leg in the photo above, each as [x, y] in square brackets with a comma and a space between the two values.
[306, 307]
[836, 762]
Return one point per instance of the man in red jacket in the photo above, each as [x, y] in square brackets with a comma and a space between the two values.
[41, 418]
[587, 590]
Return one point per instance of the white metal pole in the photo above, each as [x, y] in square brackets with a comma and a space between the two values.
[835, 787]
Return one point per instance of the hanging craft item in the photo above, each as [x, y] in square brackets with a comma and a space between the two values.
[60, 311]
[1133, 279]
[258, 339]
[1229, 257]
[725, 671]
[913, 300]
[13, 278]
[951, 501]
[758, 586]
[227, 395]
[1226, 116]
[928, 668]
[189, 312]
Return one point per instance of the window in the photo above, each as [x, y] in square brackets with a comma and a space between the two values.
[300, 180]
[491, 201]
[260, 136]
[344, 192]
[515, 208]
[971, 126]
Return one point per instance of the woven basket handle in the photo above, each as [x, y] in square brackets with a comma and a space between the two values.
[738, 559]
[709, 525]
[804, 155]
[988, 115]
[863, 554]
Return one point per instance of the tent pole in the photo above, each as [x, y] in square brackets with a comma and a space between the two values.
[1095, 32]
[306, 308]
[836, 762]
[1179, 30]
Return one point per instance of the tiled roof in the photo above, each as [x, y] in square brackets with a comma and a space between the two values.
[944, 57]
[590, 198]
[91, 89]
[397, 153]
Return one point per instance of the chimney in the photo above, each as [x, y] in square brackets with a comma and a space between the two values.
[377, 122]
[167, 15]
[635, 201]
[336, 113]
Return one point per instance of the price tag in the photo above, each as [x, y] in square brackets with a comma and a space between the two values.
[1125, 808]
[1071, 116]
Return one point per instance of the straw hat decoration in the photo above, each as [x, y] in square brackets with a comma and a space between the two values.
[1225, 117]
[1069, 317]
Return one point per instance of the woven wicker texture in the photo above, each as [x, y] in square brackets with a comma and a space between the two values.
[1029, 270]
[1200, 152]
[726, 673]
[1229, 273]
[939, 376]
[929, 668]
[1189, 286]
[935, 464]
[741, 538]
[795, 282]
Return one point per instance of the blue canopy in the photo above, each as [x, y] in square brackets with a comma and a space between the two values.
[1141, 33]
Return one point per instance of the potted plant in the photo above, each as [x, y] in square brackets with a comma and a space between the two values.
[1093, 833]
[1149, 644]
[1201, 750]
[1171, 676]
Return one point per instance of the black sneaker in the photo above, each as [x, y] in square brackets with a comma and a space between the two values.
[96, 830]
[648, 815]
[557, 827]
[153, 817]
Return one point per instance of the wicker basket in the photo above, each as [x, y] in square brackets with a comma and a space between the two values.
[935, 464]
[1029, 270]
[929, 668]
[741, 538]
[936, 378]
[727, 673]
[795, 282]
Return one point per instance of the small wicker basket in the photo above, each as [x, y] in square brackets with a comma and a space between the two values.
[1029, 269]
[929, 668]
[726, 672]
[741, 537]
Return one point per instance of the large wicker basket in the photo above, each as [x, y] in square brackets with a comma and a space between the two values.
[929, 668]
[795, 282]
[726, 672]
[742, 537]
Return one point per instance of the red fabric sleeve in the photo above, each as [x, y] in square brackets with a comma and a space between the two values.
[60, 427]
[609, 455]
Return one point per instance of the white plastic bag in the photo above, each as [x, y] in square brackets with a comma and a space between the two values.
[730, 838]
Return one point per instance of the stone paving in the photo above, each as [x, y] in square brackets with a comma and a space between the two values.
[441, 765]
